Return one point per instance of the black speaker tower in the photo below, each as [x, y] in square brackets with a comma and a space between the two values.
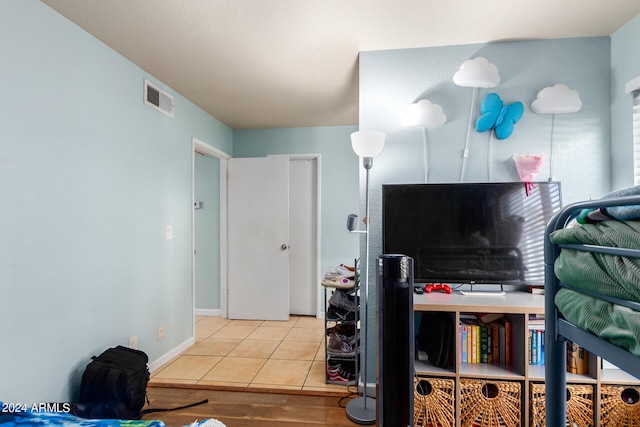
[395, 352]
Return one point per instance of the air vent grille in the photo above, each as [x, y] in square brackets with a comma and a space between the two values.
[158, 99]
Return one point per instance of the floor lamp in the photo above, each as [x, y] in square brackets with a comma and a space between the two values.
[367, 145]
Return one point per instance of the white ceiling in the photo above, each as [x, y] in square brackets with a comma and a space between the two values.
[257, 64]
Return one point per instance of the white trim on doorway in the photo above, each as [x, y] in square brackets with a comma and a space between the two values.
[200, 147]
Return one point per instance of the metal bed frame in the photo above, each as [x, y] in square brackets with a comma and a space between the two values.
[559, 330]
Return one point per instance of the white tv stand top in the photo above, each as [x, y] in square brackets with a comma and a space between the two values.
[511, 302]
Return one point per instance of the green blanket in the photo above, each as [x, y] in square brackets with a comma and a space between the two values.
[610, 275]
[617, 324]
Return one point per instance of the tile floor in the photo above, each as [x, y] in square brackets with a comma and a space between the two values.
[287, 355]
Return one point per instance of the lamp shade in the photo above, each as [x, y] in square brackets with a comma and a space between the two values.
[367, 143]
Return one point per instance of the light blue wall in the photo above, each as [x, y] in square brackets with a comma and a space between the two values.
[391, 80]
[339, 179]
[625, 65]
[89, 177]
[207, 236]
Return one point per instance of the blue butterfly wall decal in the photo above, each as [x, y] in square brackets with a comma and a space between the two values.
[496, 115]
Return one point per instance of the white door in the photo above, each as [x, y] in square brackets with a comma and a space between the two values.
[303, 208]
[258, 238]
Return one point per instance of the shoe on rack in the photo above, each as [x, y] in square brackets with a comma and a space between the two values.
[340, 378]
[337, 347]
[344, 369]
[340, 271]
[335, 314]
[348, 366]
[340, 299]
[342, 329]
[349, 339]
[338, 369]
[339, 282]
[341, 374]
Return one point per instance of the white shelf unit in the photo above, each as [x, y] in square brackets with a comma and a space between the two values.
[516, 306]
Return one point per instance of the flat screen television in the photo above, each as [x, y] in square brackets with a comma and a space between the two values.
[470, 233]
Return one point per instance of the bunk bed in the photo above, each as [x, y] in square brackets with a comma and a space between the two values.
[592, 289]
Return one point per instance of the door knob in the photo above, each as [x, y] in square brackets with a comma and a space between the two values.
[284, 247]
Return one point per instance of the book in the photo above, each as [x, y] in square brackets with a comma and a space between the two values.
[474, 343]
[577, 359]
[496, 342]
[537, 290]
[463, 345]
[536, 321]
[534, 347]
[468, 339]
[505, 341]
[489, 317]
[483, 343]
[489, 343]
[460, 343]
[469, 343]
[502, 355]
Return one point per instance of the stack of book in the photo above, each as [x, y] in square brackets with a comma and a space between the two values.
[485, 338]
[536, 339]
[577, 359]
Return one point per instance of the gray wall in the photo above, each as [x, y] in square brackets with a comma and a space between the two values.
[391, 80]
[625, 65]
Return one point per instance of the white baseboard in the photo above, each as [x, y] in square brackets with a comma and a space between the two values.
[170, 355]
[371, 389]
[206, 312]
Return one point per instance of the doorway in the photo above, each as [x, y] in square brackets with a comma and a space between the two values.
[307, 294]
[209, 261]
[274, 206]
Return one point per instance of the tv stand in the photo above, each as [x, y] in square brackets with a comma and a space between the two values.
[468, 379]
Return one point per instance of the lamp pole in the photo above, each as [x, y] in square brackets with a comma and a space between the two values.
[362, 410]
[367, 145]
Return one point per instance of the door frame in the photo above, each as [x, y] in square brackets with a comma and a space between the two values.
[200, 147]
[317, 157]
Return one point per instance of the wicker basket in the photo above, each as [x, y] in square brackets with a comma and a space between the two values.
[485, 403]
[579, 405]
[433, 402]
[620, 405]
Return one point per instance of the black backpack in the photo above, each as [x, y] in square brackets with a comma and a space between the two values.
[114, 385]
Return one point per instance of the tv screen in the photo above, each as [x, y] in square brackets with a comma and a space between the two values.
[487, 233]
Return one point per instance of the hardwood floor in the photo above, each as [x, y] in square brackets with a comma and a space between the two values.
[244, 408]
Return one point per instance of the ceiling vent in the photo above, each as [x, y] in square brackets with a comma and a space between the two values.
[158, 99]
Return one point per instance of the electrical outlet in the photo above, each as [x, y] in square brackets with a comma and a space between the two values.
[160, 331]
[133, 342]
[168, 232]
